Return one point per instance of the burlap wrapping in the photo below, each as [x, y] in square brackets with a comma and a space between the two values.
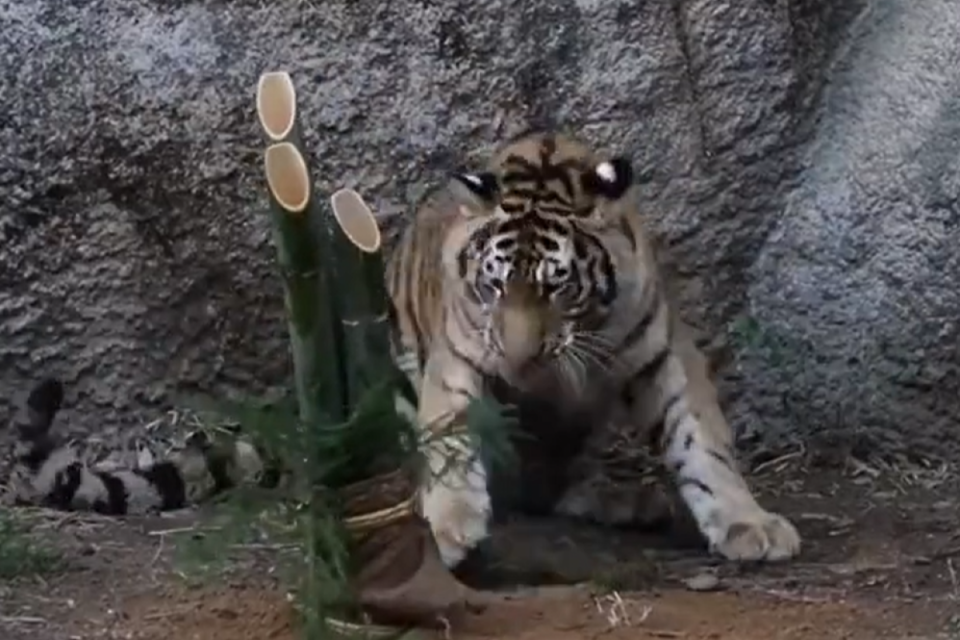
[399, 579]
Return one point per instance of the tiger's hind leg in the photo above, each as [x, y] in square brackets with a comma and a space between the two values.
[454, 496]
[616, 481]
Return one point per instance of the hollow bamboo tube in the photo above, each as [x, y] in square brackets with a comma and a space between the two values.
[365, 316]
[277, 105]
[312, 320]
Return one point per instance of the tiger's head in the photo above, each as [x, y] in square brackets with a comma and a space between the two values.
[546, 232]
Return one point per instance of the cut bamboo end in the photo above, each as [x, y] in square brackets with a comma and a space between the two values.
[357, 221]
[287, 176]
[276, 104]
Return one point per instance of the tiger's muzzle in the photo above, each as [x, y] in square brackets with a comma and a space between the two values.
[527, 329]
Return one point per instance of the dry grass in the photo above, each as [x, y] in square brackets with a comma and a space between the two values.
[619, 612]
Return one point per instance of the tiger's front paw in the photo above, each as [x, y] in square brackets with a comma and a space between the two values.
[759, 535]
[458, 510]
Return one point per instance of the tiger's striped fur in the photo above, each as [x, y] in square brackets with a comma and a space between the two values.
[538, 272]
[49, 472]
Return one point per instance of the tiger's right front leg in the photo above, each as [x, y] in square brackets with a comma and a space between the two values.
[454, 497]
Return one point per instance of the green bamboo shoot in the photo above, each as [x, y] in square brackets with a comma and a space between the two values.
[299, 238]
[364, 307]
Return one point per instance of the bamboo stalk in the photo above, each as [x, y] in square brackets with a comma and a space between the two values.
[311, 323]
[365, 316]
[312, 320]
[336, 309]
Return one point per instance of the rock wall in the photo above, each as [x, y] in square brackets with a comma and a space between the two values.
[798, 158]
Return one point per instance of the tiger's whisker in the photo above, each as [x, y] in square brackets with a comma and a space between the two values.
[596, 356]
[569, 376]
[588, 358]
[579, 369]
[599, 344]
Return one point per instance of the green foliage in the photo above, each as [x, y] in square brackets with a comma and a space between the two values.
[493, 426]
[324, 585]
[746, 333]
[776, 349]
[244, 518]
[20, 554]
[302, 515]
[373, 439]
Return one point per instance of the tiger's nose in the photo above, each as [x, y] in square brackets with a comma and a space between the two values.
[522, 345]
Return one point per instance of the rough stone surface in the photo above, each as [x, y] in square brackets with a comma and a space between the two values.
[800, 157]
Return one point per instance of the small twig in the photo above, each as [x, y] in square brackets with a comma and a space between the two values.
[259, 546]
[953, 579]
[153, 425]
[160, 615]
[793, 597]
[617, 614]
[763, 466]
[156, 555]
[447, 627]
[948, 553]
[167, 532]
[862, 468]
[64, 520]
[23, 619]
[647, 610]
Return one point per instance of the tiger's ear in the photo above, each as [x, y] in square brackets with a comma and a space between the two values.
[609, 179]
[481, 187]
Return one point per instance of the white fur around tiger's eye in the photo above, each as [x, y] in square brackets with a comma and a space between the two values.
[473, 179]
[607, 172]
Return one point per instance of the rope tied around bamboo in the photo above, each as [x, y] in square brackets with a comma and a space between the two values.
[378, 519]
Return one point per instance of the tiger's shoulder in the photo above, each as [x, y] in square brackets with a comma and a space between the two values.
[415, 268]
[47, 470]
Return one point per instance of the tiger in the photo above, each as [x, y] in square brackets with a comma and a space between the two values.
[49, 472]
[541, 263]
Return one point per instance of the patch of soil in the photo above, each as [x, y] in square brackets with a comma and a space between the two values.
[218, 614]
[550, 613]
[880, 560]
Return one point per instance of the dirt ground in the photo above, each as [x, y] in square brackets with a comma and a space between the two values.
[881, 556]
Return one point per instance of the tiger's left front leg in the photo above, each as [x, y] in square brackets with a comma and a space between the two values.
[454, 497]
[696, 444]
